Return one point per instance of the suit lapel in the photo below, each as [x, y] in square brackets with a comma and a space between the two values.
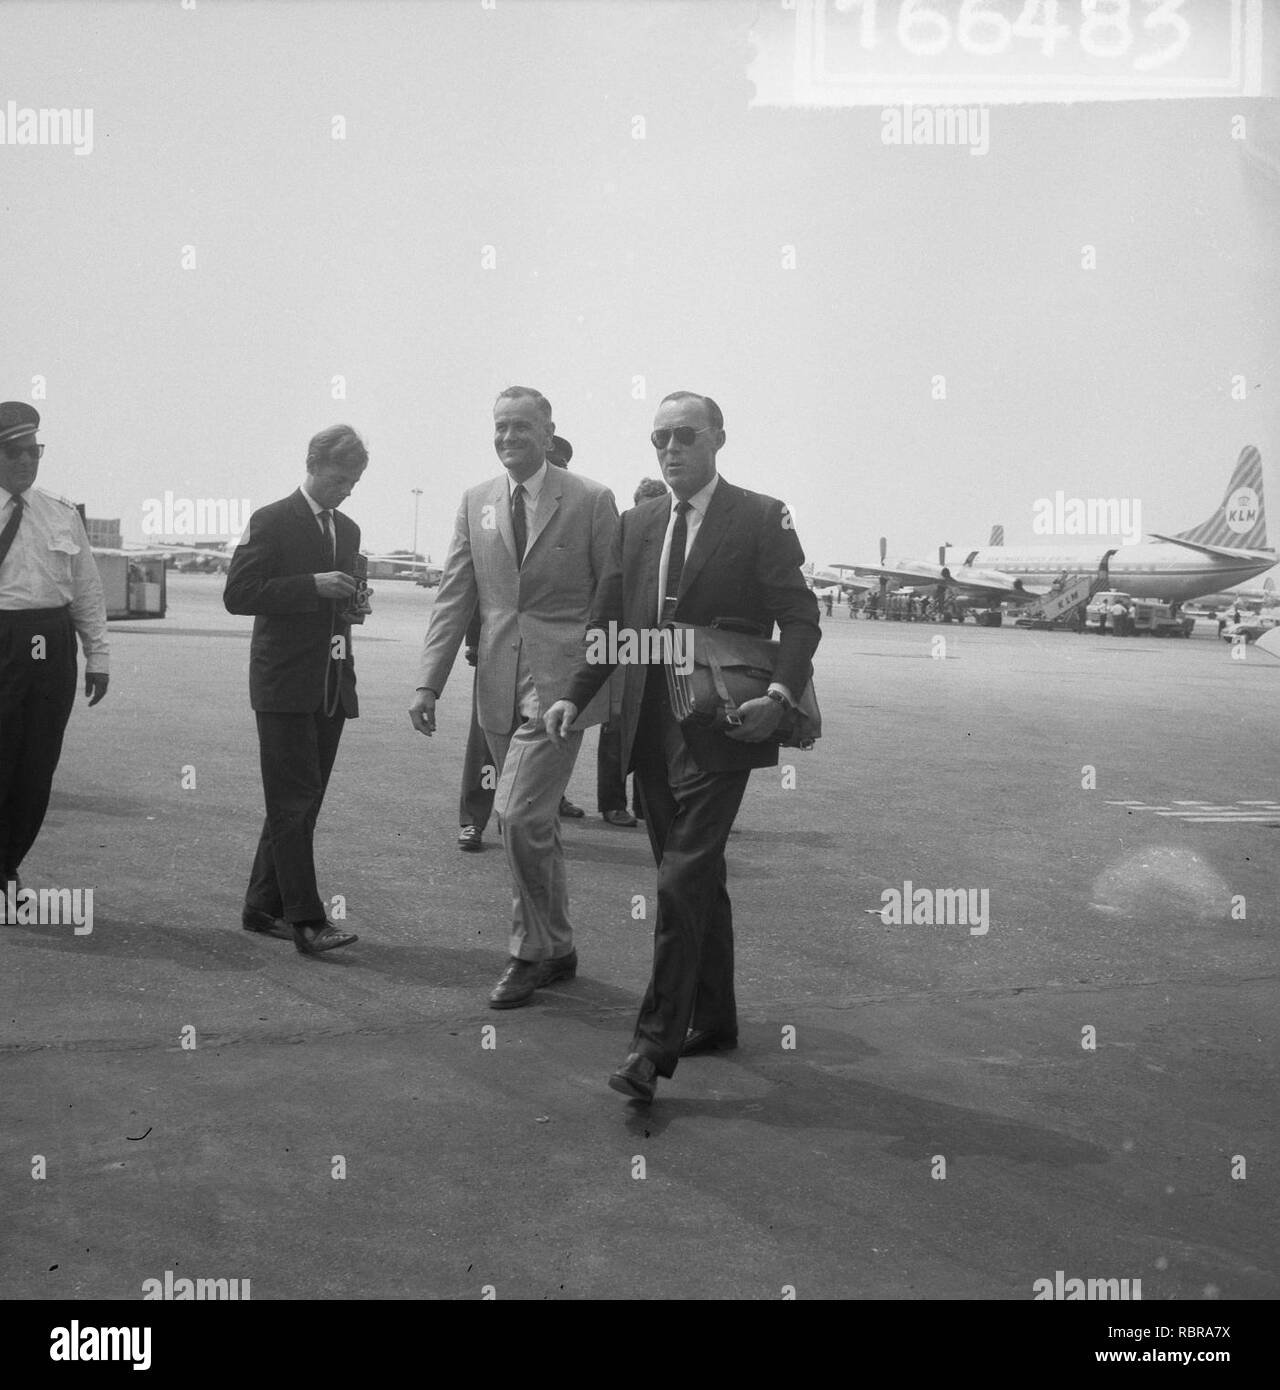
[344, 542]
[309, 526]
[548, 505]
[651, 561]
[500, 500]
[714, 526]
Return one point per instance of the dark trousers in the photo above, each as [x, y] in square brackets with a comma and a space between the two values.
[37, 693]
[475, 804]
[688, 814]
[611, 783]
[297, 753]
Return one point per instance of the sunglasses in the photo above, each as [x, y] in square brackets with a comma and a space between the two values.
[683, 434]
[13, 452]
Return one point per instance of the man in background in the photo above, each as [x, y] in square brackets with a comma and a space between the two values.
[611, 777]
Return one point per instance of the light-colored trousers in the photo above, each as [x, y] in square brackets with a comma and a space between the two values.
[535, 773]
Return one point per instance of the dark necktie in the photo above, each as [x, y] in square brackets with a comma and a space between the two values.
[675, 561]
[518, 522]
[326, 520]
[11, 526]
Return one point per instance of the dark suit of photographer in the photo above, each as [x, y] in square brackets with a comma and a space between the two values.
[293, 573]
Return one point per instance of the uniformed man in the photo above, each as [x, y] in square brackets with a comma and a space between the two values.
[49, 591]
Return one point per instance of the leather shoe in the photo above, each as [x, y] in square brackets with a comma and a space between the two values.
[568, 811]
[517, 983]
[698, 1040]
[637, 1077]
[312, 940]
[264, 924]
[561, 968]
[619, 817]
[469, 839]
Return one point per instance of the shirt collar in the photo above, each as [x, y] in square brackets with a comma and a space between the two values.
[532, 486]
[315, 506]
[700, 499]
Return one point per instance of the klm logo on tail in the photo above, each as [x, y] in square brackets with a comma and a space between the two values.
[1241, 521]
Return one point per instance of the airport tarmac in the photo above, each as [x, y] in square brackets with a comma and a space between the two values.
[913, 1112]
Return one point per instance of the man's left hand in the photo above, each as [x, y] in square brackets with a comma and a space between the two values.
[95, 686]
[759, 720]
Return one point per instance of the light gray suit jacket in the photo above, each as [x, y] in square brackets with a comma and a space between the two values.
[544, 605]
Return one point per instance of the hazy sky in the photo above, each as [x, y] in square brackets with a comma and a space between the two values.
[617, 258]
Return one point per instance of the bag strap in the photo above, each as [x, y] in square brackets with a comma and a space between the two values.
[717, 676]
[11, 528]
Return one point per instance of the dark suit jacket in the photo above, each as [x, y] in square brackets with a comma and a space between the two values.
[271, 577]
[745, 564]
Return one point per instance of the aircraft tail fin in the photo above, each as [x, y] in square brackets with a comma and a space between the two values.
[997, 536]
[1241, 520]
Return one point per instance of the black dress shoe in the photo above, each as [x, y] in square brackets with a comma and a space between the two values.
[264, 924]
[311, 940]
[516, 984]
[637, 1077]
[698, 1040]
[619, 817]
[469, 839]
[561, 968]
[568, 811]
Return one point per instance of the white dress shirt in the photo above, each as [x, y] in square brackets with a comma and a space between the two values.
[532, 489]
[693, 518]
[50, 565]
[316, 509]
[698, 504]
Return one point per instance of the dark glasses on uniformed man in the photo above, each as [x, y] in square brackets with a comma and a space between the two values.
[683, 434]
[13, 452]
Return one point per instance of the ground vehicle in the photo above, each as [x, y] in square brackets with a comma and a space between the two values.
[1251, 626]
[1141, 615]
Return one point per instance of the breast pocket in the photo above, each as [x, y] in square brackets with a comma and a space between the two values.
[60, 552]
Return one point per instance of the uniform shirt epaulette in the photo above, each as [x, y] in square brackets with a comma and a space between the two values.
[53, 497]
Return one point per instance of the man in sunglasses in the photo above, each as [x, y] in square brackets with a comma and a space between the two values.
[49, 591]
[710, 550]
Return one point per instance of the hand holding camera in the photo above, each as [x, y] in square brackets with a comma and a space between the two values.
[334, 584]
[351, 591]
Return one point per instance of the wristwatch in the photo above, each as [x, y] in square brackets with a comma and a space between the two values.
[778, 697]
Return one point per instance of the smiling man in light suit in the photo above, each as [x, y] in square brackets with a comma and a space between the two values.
[528, 550]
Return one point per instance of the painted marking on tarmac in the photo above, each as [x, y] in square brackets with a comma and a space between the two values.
[1207, 813]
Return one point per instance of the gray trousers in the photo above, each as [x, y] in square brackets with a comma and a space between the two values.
[535, 773]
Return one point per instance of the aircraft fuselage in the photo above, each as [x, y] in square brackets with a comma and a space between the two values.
[1151, 569]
